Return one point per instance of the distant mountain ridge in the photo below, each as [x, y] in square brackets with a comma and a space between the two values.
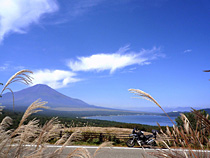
[177, 113]
[55, 99]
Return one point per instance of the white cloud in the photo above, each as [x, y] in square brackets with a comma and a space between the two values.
[54, 78]
[17, 15]
[188, 50]
[120, 59]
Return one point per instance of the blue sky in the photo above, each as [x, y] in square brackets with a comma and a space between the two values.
[95, 50]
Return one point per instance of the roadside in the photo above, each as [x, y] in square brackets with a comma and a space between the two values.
[98, 135]
[119, 152]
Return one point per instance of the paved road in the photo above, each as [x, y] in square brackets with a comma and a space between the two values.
[119, 152]
[107, 152]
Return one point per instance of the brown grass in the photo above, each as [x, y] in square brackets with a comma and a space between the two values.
[115, 130]
[21, 76]
[186, 137]
[14, 143]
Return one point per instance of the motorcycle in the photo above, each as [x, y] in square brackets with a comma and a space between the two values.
[141, 139]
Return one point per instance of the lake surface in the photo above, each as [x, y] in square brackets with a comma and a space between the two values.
[139, 119]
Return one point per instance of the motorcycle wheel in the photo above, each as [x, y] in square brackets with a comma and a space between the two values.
[130, 143]
[154, 143]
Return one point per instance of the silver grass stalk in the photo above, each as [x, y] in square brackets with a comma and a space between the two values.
[25, 134]
[5, 123]
[1, 108]
[13, 98]
[186, 122]
[20, 76]
[30, 110]
[58, 151]
[33, 109]
[62, 140]
[48, 131]
[104, 144]
[36, 154]
[79, 153]
[146, 96]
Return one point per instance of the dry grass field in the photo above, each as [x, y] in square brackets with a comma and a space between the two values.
[115, 130]
[13, 142]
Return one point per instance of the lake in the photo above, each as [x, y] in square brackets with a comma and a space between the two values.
[139, 119]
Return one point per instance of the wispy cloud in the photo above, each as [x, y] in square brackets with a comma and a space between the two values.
[4, 67]
[188, 51]
[120, 59]
[17, 15]
[54, 78]
[82, 6]
[72, 9]
[8, 66]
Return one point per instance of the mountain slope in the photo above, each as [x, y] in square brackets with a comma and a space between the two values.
[55, 99]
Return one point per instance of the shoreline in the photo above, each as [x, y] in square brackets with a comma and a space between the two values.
[150, 120]
[86, 117]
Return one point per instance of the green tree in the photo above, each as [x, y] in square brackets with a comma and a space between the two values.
[191, 117]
